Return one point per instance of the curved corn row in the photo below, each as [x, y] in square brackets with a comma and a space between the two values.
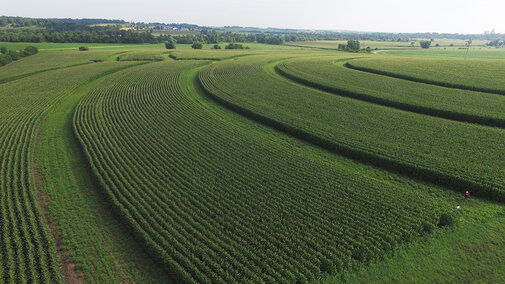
[481, 75]
[459, 105]
[214, 202]
[457, 155]
[27, 252]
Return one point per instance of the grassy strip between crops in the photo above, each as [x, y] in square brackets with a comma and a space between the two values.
[419, 79]
[310, 116]
[470, 253]
[329, 75]
[114, 56]
[27, 249]
[212, 200]
[89, 238]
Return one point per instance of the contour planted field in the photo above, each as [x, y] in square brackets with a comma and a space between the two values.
[331, 75]
[450, 52]
[216, 201]
[26, 247]
[48, 61]
[471, 74]
[274, 164]
[458, 155]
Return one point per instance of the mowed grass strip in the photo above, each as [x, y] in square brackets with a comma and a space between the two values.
[457, 155]
[472, 252]
[215, 201]
[330, 75]
[93, 243]
[482, 75]
[27, 250]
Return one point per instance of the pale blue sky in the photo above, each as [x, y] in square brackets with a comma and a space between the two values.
[455, 16]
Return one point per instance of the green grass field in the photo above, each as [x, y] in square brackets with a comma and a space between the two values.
[138, 164]
[471, 252]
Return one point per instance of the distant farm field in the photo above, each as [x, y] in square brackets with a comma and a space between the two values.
[477, 75]
[138, 164]
[49, 46]
[333, 44]
[478, 52]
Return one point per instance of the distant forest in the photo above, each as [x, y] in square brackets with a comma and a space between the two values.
[19, 29]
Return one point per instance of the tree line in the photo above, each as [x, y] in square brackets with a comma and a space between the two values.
[213, 37]
[496, 43]
[353, 46]
[20, 29]
[7, 56]
[93, 36]
[19, 22]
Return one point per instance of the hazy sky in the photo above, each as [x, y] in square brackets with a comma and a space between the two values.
[455, 16]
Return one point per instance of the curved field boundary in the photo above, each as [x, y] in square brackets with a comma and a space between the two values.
[74, 203]
[114, 56]
[424, 81]
[416, 172]
[9, 79]
[456, 116]
[27, 249]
